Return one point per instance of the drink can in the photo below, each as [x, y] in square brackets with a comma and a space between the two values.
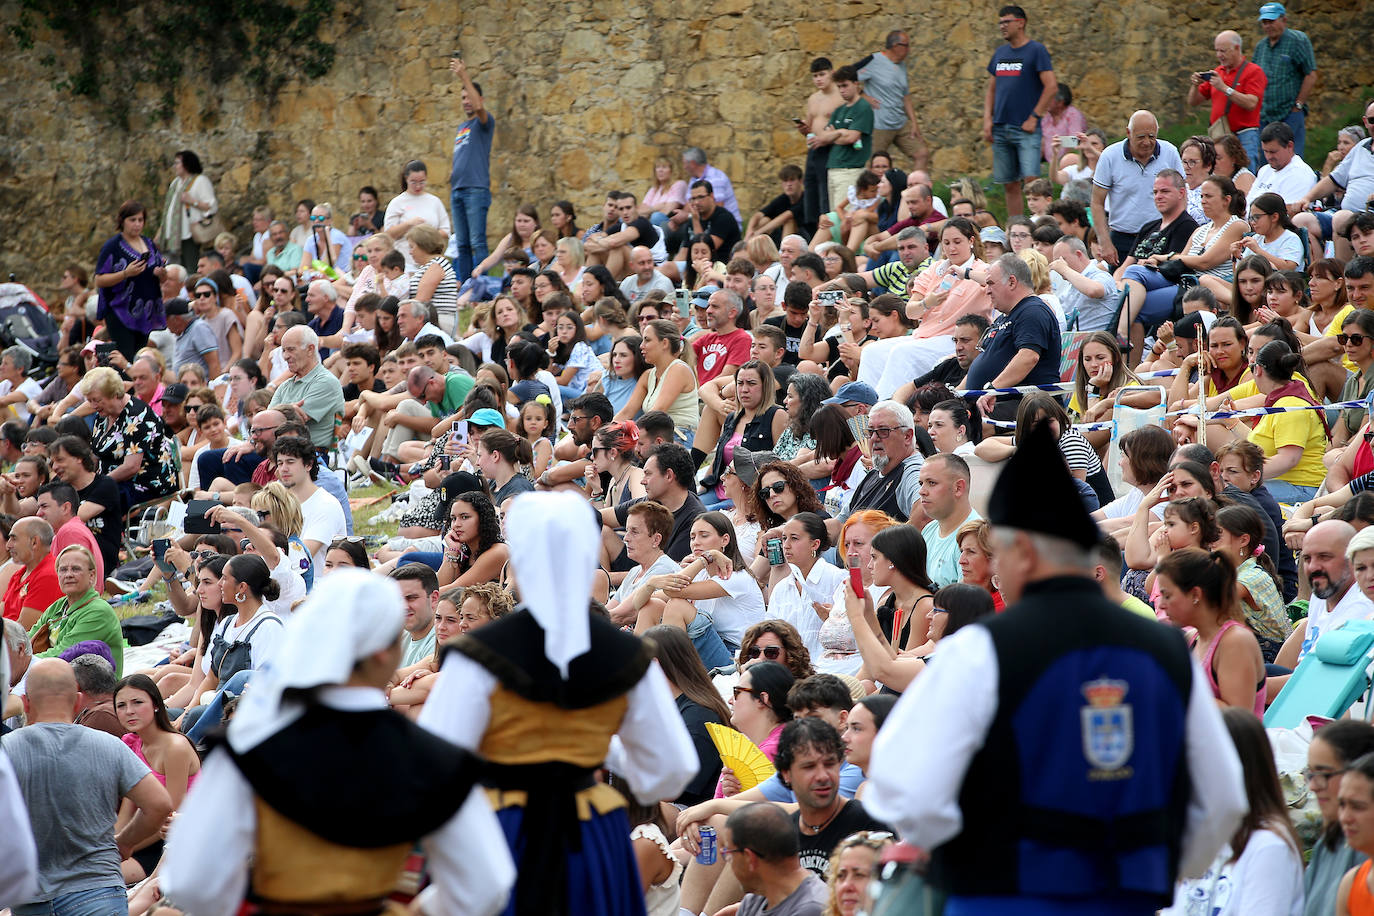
[774, 551]
[707, 856]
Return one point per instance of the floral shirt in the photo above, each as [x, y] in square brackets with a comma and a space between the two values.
[138, 430]
[788, 445]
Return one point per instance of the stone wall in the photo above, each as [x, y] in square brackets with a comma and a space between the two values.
[586, 95]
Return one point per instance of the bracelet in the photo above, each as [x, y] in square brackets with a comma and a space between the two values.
[451, 558]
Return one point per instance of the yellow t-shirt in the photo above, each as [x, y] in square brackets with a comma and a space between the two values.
[1302, 428]
[1248, 388]
[1334, 328]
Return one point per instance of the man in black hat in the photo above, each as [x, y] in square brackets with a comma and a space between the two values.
[196, 343]
[1067, 753]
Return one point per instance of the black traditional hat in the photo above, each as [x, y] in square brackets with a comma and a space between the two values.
[1035, 492]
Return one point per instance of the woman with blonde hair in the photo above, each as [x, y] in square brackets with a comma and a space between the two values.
[568, 260]
[974, 540]
[1042, 281]
[134, 446]
[434, 282]
[667, 193]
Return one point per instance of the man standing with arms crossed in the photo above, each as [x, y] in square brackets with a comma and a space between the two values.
[847, 134]
[885, 85]
[1020, 88]
[470, 180]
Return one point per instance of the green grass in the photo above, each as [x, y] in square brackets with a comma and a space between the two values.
[360, 526]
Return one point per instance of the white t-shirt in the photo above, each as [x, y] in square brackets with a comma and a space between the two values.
[1291, 182]
[636, 576]
[408, 206]
[736, 611]
[20, 409]
[264, 639]
[291, 584]
[1267, 878]
[323, 521]
[1321, 619]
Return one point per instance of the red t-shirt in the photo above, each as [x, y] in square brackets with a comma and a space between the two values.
[716, 351]
[264, 473]
[37, 589]
[1252, 82]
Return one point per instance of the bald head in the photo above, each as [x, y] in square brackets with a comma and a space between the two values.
[51, 694]
[1228, 39]
[1323, 555]
[1142, 120]
[419, 379]
[31, 540]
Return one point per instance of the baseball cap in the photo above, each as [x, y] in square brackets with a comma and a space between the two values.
[177, 306]
[488, 417]
[1272, 11]
[854, 391]
[993, 234]
[175, 393]
[746, 464]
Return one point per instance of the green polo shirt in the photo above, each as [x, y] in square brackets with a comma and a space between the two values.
[457, 384]
[324, 402]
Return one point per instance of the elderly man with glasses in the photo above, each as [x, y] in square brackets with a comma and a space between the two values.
[894, 483]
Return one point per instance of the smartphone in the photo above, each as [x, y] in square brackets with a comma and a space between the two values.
[830, 298]
[160, 546]
[683, 297]
[457, 55]
[1067, 142]
[103, 351]
[445, 461]
[856, 580]
[460, 432]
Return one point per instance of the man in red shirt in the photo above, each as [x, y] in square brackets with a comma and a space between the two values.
[720, 351]
[33, 588]
[57, 503]
[1235, 89]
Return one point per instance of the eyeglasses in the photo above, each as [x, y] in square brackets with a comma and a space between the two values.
[1255, 217]
[205, 295]
[939, 610]
[882, 432]
[748, 690]
[1352, 339]
[1020, 235]
[262, 429]
[775, 488]
[771, 653]
[1323, 776]
[727, 852]
[574, 418]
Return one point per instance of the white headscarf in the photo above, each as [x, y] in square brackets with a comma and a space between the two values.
[351, 614]
[554, 546]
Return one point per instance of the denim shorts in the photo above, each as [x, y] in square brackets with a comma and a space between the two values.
[1015, 153]
[1325, 219]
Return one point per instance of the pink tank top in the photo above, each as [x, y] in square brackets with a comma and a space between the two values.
[136, 745]
[1212, 676]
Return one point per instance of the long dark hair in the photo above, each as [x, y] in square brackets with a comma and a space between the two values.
[145, 683]
[388, 340]
[725, 528]
[682, 666]
[206, 622]
[1242, 521]
[905, 549]
[1268, 809]
[563, 351]
[965, 604]
[488, 522]
[1349, 740]
[776, 681]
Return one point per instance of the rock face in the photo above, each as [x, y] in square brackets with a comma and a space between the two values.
[586, 96]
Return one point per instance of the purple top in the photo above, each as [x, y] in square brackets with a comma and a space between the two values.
[135, 303]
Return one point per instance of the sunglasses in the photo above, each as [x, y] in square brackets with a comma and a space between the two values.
[347, 539]
[205, 295]
[317, 219]
[771, 653]
[1353, 339]
[873, 839]
[775, 488]
[360, 257]
[748, 690]
[882, 432]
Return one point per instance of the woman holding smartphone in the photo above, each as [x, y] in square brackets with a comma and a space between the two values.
[128, 278]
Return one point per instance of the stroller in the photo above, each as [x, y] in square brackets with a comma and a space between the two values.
[25, 322]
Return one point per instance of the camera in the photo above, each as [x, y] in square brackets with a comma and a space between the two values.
[102, 353]
[1207, 75]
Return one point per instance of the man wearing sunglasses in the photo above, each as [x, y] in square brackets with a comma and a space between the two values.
[196, 344]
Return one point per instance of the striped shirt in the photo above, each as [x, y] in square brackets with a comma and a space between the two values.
[445, 298]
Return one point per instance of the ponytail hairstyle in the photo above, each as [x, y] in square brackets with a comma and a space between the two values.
[1281, 329]
[1196, 510]
[1278, 360]
[251, 570]
[1242, 521]
[1210, 571]
[623, 437]
[1273, 205]
[966, 416]
[725, 528]
[414, 165]
[512, 448]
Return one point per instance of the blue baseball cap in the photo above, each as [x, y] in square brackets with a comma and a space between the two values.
[488, 417]
[854, 391]
[1272, 11]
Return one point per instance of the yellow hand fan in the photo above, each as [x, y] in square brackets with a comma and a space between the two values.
[741, 755]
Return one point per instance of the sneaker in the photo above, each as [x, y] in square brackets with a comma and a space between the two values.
[120, 586]
[383, 471]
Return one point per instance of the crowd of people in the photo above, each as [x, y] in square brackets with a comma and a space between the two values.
[683, 490]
